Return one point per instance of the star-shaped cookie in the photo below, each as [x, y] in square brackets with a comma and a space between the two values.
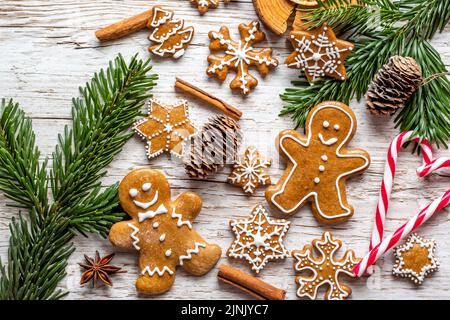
[415, 259]
[250, 171]
[319, 53]
[166, 128]
[259, 239]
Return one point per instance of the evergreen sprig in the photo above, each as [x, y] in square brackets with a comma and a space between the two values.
[395, 27]
[41, 245]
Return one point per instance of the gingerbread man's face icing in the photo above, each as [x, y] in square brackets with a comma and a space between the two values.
[331, 126]
[161, 231]
[319, 164]
[142, 191]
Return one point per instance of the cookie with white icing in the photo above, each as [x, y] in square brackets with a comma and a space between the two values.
[319, 164]
[161, 231]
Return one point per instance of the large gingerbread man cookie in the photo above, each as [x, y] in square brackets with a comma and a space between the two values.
[319, 163]
[161, 230]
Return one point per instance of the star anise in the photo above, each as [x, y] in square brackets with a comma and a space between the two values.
[98, 269]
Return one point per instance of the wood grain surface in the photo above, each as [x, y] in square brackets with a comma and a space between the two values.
[48, 50]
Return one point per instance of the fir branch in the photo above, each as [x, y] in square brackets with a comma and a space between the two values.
[40, 247]
[107, 108]
[37, 258]
[22, 178]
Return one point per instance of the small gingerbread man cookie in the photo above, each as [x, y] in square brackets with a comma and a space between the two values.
[161, 230]
[319, 163]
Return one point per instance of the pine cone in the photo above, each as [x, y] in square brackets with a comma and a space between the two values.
[215, 145]
[393, 85]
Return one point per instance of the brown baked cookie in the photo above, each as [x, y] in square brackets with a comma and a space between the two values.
[319, 53]
[323, 268]
[161, 230]
[319, 163]
[169, 34]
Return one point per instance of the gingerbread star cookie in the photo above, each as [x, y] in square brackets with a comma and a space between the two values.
[318, 164]
[415, 259]
[259, 239]
[251, 171]
[161, 231]
[240, 56]
[319, 53]
[166, 128]
[323, 269]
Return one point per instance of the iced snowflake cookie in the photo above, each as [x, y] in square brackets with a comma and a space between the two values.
[204, 5]
[250, 171]
[318, 164]
[259, 239]
[323, 269]
[319, 53]
[161, 230]
[240, 55]
[166, 128]
[415, 259]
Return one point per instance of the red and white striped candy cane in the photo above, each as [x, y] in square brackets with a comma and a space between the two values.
[378, 246]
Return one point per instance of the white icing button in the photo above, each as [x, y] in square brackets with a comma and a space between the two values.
[163, 237]
[155, 225]
[326, 124]
[316, 180]
[324, 157]
[321, 168]
[336, 127]
[146, 186]
[133, 192]
[168, 253]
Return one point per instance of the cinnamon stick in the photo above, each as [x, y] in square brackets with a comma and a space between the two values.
[215, 102]
[255, 287]
[124, 27]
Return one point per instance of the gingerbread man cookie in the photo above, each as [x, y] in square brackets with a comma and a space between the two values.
[319, 163]
[161, 230]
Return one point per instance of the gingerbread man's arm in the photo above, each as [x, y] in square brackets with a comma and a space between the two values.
[356, 160]
[188, 205]
[124, 235]
[289, 142]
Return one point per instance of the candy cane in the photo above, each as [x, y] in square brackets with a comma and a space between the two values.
[378, 246]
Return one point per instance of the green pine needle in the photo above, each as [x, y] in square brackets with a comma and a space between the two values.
[41, 245]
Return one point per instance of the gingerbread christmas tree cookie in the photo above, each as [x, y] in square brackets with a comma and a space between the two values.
[319, 53]
[324, 268]
[415, 259]
[250, 171]
[318, 164]
[240, 56]
[161, 231]
[166, 128]
[259, 239]
[169, 34]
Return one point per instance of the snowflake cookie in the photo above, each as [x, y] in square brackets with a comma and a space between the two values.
[250, 171]
[319, 53]
[240, 55]
[166, 128]
[415, 259]
[204, 5]
[324, 269]
[259, 239]
[161, 230]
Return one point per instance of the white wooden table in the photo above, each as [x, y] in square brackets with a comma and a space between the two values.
[48, 49]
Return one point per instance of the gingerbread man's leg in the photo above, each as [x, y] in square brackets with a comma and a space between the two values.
[200, 257]
[331, 204]
[155, 279]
